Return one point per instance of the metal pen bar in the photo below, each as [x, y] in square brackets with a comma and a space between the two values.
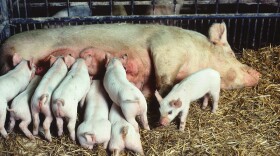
[241, 33]
[254, 34]
[68, 11]
[25, 8]
[217, 6]
[261, 31]
[47, 8]
[111, 7]
[276, 20]
[195, 6]
[18, 10]
[237, 6]
[248, 32]
[132, 7]
[234, 31]
[268, 29]
[90, 6]
[12, 9]
[153, 3]
[174, 7]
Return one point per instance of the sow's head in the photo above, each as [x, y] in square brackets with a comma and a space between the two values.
[234, 74]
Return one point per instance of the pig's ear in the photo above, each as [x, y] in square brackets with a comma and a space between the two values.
[124, 132]
[30, 63]
[52, 59]
[90, 137]
[176, 103]
[16, 59]
[123, 59]
[158, 96]
[107, 59]
[218, 33]
[69, 60]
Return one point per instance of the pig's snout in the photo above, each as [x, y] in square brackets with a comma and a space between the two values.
[253, 77]
[164, 121]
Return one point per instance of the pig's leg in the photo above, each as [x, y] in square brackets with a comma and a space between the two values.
[47, 124]
[205, 101]
[59, 123]
[2, 123]
[71, 127]
[12, 123]
[129, 112]
[166, 69]
[105, 145]
[215, 96]
[183, 117]
[36, 122]
[144, 120]
[24, 127]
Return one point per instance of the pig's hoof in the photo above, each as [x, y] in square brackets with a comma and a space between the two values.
[213, 111]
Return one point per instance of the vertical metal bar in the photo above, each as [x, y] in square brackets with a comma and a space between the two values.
[234, 33]
[111, 7]
[47, 8]
[228, 27]
[174, 7]
[248, 32]
[217, 6]
[25, 8]
[237, 7]
[18, 10]
[90, 6]
[132, 7]
[5, 14]
[12, 9]
[261, 32]
[241, 33]
[254, 34]
[153, 3]
[195, 6]
[268, 29]
[68, 11]
[275, 24]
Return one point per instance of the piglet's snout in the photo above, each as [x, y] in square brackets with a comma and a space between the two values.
[164, 121]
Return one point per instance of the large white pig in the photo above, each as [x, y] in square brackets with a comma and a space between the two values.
[20, 108]
[159, 56]
[11, 84]
[123, 134]
[124, 93]
[66, 97]
[40, 102]
[96, 127]
[199, 84]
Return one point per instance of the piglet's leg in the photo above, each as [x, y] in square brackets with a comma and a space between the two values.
[205, 101]
[105, 144]
[46, 125]
[11, 124]
[2, 123]
[144, 120]
[24, 127]
[71, 127]
[59, 124]
[183, 117]
[36, 121]
[215, 96]
[129, 112]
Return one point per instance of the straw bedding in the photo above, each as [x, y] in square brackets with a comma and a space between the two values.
[246, 123]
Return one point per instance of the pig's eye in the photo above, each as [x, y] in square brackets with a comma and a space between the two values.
[170, 112]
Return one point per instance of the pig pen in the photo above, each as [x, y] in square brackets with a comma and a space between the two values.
[246, 123]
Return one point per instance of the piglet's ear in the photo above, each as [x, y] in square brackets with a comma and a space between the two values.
[16, 59]
[69, 60]
[52, 59]
[158, 96]
[218, 33]
[123, 59]
[176, 103]
[30, 63]
[107, 59]
[90, 137]
[124, 132]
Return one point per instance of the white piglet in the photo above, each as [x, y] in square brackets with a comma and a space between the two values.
[197, 85]
[12, 83]
[40, 102]
[66, 97]
[124, 93]
[123, 134]
[96, 127]
[20, 108]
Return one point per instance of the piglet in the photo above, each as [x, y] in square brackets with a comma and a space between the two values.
[20, 110]
[12, 83]
[197, 85]
[123, 134]
[124, 93]
[40, 102]
[96, 127]
[66, 97]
